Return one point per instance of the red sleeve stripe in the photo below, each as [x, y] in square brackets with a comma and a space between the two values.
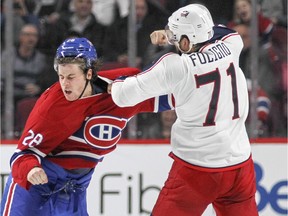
[8, 204]
[224, 38]
[160, 59]
[229, 35]
[149, 69]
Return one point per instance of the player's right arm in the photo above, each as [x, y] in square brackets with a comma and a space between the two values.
[160, 79]
[35, 143]
[159, 37]
[26, 169]
[48, 125]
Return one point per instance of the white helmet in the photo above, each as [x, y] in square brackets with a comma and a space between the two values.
[194, 21]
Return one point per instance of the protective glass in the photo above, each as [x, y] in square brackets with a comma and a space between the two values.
[171, 37]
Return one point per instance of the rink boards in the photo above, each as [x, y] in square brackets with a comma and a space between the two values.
[128, 180]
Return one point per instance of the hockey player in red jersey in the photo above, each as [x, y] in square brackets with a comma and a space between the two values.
[72, 126]
[210, 146]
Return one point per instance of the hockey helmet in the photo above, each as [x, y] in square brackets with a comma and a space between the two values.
[77, 48]
[194, 21]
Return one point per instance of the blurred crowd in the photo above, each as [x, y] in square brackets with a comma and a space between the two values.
[40, 26]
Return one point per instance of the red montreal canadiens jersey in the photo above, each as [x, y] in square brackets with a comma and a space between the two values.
[75, 134]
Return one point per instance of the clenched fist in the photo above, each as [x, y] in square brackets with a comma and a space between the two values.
[37, 176]
[159, 38]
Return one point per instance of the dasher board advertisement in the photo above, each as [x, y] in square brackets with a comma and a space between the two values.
[129, 179]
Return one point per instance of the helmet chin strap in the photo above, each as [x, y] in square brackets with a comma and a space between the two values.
[86, 84]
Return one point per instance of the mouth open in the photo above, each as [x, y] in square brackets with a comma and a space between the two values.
[243, 14]
[67, 92]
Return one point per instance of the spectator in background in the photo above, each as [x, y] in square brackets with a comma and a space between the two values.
[106, 12]
[269, 80]
[273, 60]
[22, 15]
[28, 65]
[243, 15]
[80, 21]
[148, 18]
[49, 11]
[262, 110]
[276, 10]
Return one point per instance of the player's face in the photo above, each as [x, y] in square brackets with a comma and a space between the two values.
[72, 81]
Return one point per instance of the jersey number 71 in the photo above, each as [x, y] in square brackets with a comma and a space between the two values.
[214, 76]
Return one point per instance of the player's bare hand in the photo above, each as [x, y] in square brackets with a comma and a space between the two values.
[158, 38]
[37, 176]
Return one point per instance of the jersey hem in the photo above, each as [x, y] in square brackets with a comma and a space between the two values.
[210, 169]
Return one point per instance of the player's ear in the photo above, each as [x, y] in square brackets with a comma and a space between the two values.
[186, 42]
[89, 74]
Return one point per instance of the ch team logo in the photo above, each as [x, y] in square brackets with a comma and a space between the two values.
[103, 131]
